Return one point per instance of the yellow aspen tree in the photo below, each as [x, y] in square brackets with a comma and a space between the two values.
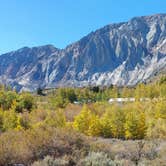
[106, 127]
[9, 120]
[117, 121]
[82, 121]
[142, 125]
[131, 126]
[1, 119]
[160, 110]
[94, 126]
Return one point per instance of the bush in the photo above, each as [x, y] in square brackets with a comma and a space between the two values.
[25, 147]
[50, 161]
[26, 102]
[7, 99]
[9, 120]
[157, 129]
[56, 119]
[98, 159]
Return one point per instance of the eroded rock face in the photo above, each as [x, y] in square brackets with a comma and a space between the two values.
[121, 54]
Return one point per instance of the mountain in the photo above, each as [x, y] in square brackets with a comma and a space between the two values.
[122, 54]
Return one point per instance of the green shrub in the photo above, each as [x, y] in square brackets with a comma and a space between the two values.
[27, 101]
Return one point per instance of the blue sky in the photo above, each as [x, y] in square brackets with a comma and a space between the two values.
[61, 22]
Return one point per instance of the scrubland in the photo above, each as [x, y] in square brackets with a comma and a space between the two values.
[77, 126]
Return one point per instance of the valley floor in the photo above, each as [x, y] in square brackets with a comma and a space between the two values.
[79, 127]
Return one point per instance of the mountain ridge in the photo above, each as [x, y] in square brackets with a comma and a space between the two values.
[123, 54]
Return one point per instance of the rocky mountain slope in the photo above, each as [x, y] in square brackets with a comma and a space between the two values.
[122, 54]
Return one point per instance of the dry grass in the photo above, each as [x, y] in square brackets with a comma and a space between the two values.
[71, 111]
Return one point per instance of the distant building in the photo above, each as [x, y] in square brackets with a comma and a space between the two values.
[125, 100]
[121, 100]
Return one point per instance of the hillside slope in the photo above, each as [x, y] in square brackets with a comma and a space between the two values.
[122, 54]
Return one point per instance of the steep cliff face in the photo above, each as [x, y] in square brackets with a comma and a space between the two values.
[121, 54]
